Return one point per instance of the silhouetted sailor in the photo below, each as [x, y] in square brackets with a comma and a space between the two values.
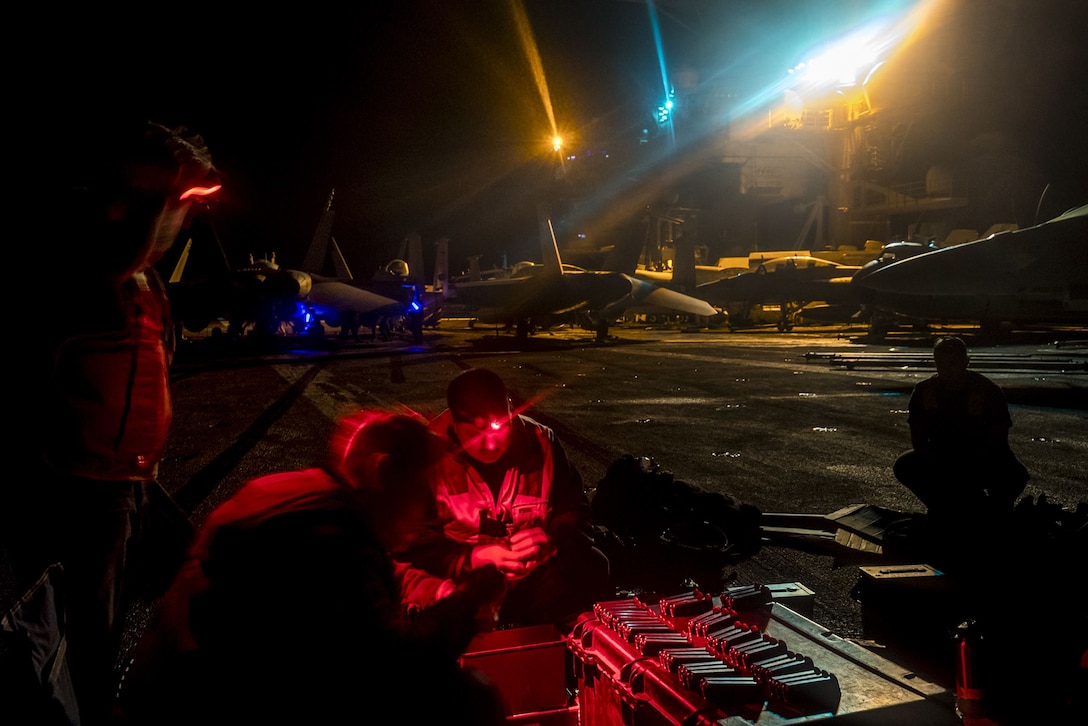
[961, 462]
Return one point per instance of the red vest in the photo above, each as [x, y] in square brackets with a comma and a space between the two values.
[109, 409]
[523, 500]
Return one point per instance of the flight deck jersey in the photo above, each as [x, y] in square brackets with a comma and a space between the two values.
[539, 488]
[958, 420]
[471, 512]
[110, 408]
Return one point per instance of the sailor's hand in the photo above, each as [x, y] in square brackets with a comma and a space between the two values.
[509, 562]
[532, 543]
[528, 549]
[533, 546]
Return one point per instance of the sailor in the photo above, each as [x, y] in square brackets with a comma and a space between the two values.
[90, 511]
[960, 463]
[508, 496]
[289, 608]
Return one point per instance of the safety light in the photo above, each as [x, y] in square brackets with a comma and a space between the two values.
[664, 111]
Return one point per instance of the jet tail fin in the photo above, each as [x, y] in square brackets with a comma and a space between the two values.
[179, 268]
[549, 247]
[474, 272]
[319, 243]
[339, 264]
[441, 266]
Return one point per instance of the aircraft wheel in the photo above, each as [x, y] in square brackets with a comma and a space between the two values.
[879, 325]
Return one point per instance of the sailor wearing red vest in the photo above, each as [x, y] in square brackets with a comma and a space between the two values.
[98, 366]
[509, 497]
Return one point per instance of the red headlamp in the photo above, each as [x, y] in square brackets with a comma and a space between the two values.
[488, 424]
[200, 191]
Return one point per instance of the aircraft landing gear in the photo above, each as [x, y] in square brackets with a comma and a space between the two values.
[523, 329]
[787, 316]
[879, 325]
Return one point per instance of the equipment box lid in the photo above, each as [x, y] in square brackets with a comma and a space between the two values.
[795, 596]
[899, 572]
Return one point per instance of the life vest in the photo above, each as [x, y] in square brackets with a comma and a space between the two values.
[109, 407]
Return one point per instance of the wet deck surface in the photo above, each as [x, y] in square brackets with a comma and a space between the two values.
[768, 418]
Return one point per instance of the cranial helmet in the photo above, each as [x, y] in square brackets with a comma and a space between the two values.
[478, 393]
[373, 449]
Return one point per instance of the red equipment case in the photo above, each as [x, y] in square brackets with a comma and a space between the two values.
[736, 658]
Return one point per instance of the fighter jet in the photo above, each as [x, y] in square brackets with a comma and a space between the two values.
[396, 296]
[1036, 275]
[790, 282]
[540, 295]
[264, 295]
[245, 297]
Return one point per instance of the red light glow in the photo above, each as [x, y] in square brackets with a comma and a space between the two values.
[200, 191]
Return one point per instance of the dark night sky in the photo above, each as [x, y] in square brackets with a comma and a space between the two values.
[424, 116]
